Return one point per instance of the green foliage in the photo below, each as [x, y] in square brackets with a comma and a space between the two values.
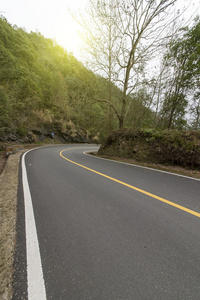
[22, 130]
[170, 147]
[183, 85]
[42, 85]
[139, 115]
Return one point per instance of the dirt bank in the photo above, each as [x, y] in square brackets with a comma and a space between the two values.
[168, 147]
[8, 203]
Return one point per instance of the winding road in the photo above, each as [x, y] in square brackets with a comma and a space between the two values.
[90, 228]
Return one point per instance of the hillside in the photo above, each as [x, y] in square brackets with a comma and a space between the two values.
[44, 89]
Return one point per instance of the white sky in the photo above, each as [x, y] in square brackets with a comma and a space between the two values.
[52, 19]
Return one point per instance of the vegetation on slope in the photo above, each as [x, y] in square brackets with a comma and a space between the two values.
[169, 147]
[43, 86]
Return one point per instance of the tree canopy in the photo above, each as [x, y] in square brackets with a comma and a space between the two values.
[182, 94]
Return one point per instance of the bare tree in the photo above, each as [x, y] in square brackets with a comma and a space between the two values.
[122, 37]
[101, 39]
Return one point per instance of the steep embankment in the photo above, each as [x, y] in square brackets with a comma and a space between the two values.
[179, 148]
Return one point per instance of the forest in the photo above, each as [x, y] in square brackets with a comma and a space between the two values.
[43, 87]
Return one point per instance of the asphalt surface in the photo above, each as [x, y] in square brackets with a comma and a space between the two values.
[100, 239]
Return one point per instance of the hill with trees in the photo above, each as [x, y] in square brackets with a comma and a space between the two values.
[45, 89]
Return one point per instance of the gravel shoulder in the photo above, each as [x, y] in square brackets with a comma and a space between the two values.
[8, 205]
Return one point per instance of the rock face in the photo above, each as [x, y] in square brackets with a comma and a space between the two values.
[41, 135]
[180, 148]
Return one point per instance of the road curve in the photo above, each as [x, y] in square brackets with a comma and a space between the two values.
[107, 230]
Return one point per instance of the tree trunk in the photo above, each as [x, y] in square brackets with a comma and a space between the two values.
[121, 123]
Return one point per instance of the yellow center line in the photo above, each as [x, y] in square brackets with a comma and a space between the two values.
[192, 212]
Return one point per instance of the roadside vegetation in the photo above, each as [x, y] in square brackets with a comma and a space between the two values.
[170, 150]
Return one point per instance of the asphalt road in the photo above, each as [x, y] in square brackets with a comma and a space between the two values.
[102, 236]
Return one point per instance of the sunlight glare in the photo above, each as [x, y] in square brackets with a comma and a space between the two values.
[70, 34]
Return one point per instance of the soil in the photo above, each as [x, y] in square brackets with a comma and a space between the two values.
[9, 168]
[3, 160]
[8, 204]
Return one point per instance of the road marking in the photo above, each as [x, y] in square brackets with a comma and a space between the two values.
[36, 286]
[143, 167]
[192, 212]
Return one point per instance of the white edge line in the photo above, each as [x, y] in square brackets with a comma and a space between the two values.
[152, 169]
[36, 286]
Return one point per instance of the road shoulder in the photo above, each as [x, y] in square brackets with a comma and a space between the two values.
[8, 214]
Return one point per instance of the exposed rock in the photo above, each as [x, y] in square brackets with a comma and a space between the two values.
[9, 137]
[41, 135]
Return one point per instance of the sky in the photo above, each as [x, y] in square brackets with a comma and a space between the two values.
[50, 17]
[53, 20]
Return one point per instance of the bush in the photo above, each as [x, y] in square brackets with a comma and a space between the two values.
[169, 147]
